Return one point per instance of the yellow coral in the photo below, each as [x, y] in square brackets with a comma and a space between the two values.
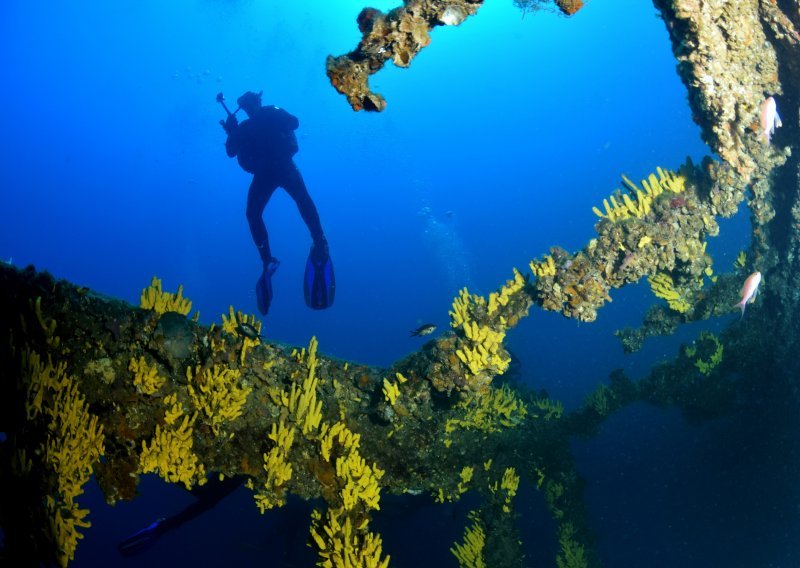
[277, 466]
[663, 287]
[470, 552]
[42, 377]
[304, 406]
[572, 553]
[553, 494]
[707, 365]
[170, 455]
[546, 267]
[217, 393]
[676, 183]
[600, 400]
[483, 350]
[497, 299]
[174, 409]
[510, 481]
[465, 477]
[305, 411]
[549, 409]
[390, 391]
[539, 477]
[145, 377]
[643, 197]
[48, 325]
[345, 540]
[232, 325]
[489, 412]
[361, 481]
[65, 518]
[461, 308]
[341, 545]
[282, 435]
[508, 486]
[302, 402]
[154, 298]
[74, 441]
[340, 434]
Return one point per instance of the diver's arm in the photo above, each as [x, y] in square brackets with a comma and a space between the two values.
[231, 145]
[231, 127]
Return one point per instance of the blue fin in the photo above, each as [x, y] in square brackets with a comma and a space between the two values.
[319, 283]
[140, 540]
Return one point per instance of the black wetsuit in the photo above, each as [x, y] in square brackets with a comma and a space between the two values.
[264, 145]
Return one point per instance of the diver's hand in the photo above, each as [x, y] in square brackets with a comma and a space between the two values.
[230, 124]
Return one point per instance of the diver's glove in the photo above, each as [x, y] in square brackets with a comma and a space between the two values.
[230, 124]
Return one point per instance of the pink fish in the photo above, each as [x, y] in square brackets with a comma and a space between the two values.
[749, 291]
[769, 119]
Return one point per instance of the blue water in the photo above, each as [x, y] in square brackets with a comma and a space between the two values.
[494, 146]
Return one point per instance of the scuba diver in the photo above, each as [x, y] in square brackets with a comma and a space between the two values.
[206, 495]
[292, 520]
[264, 144]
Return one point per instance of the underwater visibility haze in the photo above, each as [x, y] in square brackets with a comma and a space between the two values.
[542, 215]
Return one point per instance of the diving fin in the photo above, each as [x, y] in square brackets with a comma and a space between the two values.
[319, 283]
[141, 540]
[264, 286]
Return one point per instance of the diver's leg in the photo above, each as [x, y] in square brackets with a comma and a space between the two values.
[257, 197]
[294, 185]
[319, 284]
[207, 496]
[261, 189]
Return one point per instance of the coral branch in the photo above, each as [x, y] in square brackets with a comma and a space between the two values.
[399, 35]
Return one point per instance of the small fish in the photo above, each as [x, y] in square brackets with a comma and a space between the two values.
[769, 119]
[749, 291]
[248, 331]
[425, 329]
[453, 16]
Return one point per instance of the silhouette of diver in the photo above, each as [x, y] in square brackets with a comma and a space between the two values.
[292, 520]
[207, 495]
[264, 144]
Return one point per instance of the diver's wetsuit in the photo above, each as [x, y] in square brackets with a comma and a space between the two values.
[264, 145]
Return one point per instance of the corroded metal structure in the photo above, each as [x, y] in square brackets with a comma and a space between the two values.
[399, 36]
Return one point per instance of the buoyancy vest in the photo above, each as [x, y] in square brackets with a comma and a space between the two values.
[266, 139]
